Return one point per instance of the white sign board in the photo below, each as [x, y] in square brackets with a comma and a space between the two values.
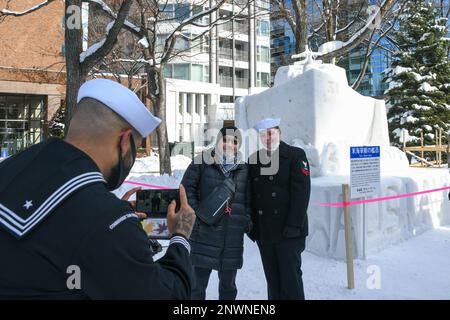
[364, 171]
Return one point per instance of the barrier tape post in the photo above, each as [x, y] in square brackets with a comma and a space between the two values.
[348, 237]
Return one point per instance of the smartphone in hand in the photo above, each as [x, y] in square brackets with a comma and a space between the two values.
[154, 202]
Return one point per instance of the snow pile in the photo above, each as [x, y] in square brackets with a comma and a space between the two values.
[151, 164]
[162, 181]
[330, 46]
[146, 170]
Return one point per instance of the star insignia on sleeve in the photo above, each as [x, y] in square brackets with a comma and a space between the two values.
[28, 204]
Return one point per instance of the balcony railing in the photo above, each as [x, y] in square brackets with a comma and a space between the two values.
[241, 55]
[227, 81]
[227, 53]
[239, 27]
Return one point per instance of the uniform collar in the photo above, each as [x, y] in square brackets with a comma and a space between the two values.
[37, 181]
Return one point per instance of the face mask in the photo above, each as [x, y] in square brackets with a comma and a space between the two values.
[120, 172]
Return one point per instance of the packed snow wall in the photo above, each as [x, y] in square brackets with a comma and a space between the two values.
[320, 113]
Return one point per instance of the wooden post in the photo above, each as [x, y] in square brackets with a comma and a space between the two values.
[448, 149]
[348, 238]
[440, 147]
[436, 136]
[421, 144]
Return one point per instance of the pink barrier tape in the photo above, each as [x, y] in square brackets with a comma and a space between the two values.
[147, 185]
[336, 204]
[399, 196]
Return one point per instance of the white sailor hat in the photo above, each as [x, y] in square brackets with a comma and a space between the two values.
[122, 101]
[267, 124]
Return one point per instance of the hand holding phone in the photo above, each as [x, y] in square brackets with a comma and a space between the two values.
[182, 221]
[127, 195]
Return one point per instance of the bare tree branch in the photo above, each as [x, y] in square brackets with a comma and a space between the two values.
[285, 13]
[358, 15]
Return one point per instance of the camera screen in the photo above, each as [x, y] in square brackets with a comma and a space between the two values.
[154, 203]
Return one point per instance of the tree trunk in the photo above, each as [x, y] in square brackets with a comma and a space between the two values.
[162, 135]
[157, 92]
[301, 31]
[330, 15]
[73, 47]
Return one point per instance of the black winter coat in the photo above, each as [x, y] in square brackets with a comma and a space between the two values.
[218, 247]
[280, 199]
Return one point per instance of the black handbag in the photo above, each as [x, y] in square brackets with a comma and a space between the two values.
[212, 209]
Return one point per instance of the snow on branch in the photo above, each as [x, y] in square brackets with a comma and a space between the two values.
[360, 35]
[98, 50]
[283, 12]
[109, 12]
[91, 50]
[6, 12]
[343, 29]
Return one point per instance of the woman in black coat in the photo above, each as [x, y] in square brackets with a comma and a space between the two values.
[221, 246]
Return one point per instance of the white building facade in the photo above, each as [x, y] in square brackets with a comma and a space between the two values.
[231, 60]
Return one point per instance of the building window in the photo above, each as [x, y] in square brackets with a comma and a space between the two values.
[178, 11]
[262, 54]
[263, 28]
[197, 72]
[262, 79]
[168, 72]
[21, 121]
[181, 71]
[226, 99]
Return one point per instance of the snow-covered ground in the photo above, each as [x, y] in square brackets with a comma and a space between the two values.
[414, 269]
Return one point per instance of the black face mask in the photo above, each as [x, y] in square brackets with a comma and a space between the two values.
[120, 172]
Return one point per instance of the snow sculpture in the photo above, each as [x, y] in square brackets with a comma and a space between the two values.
[321, 114]
[324, 116]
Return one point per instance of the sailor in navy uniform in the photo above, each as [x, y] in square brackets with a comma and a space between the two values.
[63, 234]
[280, 184]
